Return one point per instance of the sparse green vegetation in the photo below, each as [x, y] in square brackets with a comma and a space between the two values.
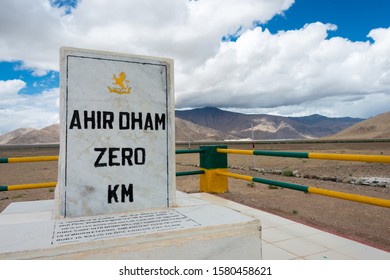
[272, 187]
[287, 172]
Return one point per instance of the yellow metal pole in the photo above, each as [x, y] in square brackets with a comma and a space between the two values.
[346, 157]
[351, 157]
[235, 151]
[31, 186]
[32, 159]
[352, 197]
[234, 175]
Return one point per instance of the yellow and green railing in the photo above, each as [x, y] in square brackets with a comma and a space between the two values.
[214, 172]
[28, 159]
[213, 161]
[27, 186]
[313, 190]
[191, 172]
[344, 157]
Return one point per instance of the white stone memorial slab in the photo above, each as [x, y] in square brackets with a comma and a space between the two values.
[117, 133]
[119, 225]
[116, 194]
[196, 229]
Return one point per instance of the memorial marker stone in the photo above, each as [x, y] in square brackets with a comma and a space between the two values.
[116, 135]
[116, 182]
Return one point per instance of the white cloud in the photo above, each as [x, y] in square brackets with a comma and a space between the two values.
[290, 72]
[10, 87]
[293, 68]
[31, 32]
[21, 110]
[354, 106]
[188, 31]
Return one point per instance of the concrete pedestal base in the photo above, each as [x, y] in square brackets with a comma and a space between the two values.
[195, 229]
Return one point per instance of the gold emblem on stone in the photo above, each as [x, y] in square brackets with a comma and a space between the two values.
[121, 85]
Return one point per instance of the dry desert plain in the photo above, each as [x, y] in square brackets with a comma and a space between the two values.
[361, 222]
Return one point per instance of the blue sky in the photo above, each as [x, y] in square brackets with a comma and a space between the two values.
[354, 19]
[35, 82]
[281, 57]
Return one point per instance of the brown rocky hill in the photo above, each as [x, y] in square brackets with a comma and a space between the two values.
[48, 134]
[374, 128]
[10, 136]
[188, 131]
[266, 126]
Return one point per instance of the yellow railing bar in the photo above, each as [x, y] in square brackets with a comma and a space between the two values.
[351, 197]
[32, 159]
[309, 189]
[345, 157]
[28, 186]
[351, 157]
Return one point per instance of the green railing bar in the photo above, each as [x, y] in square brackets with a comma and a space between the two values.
[281, 184]
[265, 153]
[296, 187]
[281, 154]
[187, 173]
[189, 151]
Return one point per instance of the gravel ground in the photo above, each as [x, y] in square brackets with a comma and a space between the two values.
[365, 223]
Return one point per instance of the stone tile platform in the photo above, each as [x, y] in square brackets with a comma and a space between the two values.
[194, 229]
[281, 239]
[284, 239]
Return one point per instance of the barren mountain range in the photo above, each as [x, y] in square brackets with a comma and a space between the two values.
[265, 127]
[373, 128]
[214, 124]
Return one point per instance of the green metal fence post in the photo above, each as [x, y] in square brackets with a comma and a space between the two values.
[213, 162]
